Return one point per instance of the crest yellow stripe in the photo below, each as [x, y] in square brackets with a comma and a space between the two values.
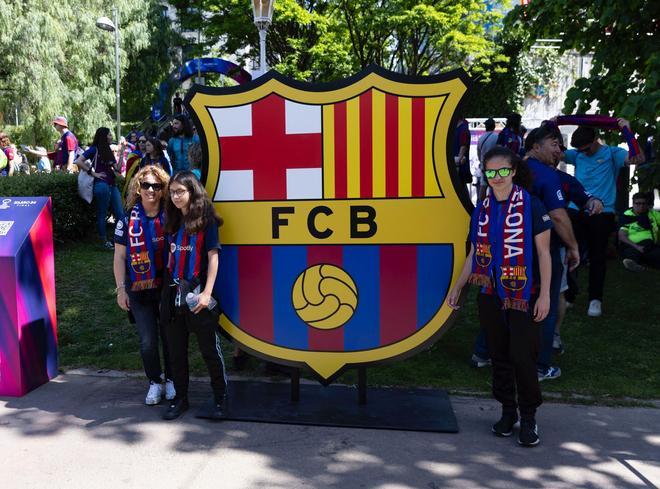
[328, 151]
[378, 139]
[405, 147]
[432, 108]
[353, 147]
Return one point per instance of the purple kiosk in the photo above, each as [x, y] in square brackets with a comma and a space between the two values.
[28, 321]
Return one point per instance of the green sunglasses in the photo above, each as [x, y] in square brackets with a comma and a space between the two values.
[503, 172]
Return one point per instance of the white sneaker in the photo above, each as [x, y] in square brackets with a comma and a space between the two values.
[632, 265]
[170, 392]
[595, 308]
[154, 395]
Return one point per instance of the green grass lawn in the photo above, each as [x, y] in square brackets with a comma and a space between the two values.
[611, 357]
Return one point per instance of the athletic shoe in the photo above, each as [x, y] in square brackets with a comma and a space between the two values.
[528, 436]
[154, 395]
[170, 392]
[549, 373]
[595, 308]
[478, 362]
[632, 265]
[176, 409]
[504, 427]
[557, 345]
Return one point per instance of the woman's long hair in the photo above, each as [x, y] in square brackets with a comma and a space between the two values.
[158, 147]
[523, 176]
[133, 191]
[102, 145]
[200, 212]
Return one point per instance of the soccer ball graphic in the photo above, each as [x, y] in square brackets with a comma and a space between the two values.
[324, 296]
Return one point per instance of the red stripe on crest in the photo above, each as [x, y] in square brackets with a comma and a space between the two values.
[391, 145]
[255, 291]
[418, 132]
[398, 292]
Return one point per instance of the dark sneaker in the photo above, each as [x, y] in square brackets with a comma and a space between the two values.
[176, 409]
[213, 411]
[549, 373]
[504, 427]
[478, 362]
[528, 436]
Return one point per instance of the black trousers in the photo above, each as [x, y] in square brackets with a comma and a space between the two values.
[650, 257]
[204, 326]
[593, 232]
[513, 340]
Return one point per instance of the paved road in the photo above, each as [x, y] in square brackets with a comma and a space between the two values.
[92, 431]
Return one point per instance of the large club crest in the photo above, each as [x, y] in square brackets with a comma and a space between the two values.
[344, 225]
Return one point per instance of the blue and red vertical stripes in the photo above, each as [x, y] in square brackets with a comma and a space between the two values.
[400, 288]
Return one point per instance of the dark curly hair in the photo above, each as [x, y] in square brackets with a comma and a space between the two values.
[200, 213]
[523, 176]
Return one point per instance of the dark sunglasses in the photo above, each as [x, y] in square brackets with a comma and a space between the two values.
[503, 172]
[147, 185]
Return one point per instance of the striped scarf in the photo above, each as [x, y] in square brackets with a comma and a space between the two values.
[503, 249]
[604, 122]
[146, 249]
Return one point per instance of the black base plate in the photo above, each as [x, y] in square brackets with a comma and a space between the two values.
[386, 408]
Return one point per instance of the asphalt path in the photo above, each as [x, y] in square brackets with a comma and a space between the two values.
[87, 431]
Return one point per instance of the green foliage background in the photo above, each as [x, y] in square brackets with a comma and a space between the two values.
[56, 61]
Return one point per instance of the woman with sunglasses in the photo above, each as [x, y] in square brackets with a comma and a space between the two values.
[154, 155]
[192, 227]
[139, 264]
[509, 259]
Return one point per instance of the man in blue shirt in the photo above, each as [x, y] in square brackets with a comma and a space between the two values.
[597, 167]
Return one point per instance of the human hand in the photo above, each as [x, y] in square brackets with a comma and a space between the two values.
[623, 123]
[453, 297]
[572, 258]
[542, 307]
[100, 175]
[594, 206]
[639, 248]
[203, 302]
[122, 300]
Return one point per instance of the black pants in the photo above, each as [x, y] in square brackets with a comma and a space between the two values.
[145, 309]
[513, 340]
[205, 327]
[593, 233]
[650, 257]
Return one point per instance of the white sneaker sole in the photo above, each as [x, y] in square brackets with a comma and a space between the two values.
[152, 402]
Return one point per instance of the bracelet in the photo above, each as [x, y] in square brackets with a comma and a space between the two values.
[122, 286]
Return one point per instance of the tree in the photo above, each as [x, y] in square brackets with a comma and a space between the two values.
[56, 61]
[622, 37]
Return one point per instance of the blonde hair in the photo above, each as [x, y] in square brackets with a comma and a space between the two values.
[133, 192]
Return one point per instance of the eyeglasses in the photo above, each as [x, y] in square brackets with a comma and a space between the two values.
[147, 185]
[503, 172]
[179, 192]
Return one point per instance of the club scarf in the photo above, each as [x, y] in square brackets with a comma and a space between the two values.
[503, 249]
[145, 257]
[605, 122]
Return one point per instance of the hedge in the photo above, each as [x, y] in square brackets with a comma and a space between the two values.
[73, 218]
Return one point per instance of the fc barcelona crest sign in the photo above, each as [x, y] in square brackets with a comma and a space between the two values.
[345, 223]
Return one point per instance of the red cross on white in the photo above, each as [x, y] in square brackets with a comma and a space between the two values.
[269, 150]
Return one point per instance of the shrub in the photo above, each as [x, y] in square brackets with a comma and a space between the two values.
[73, 218]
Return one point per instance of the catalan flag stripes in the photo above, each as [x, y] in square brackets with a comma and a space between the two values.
[377, 145]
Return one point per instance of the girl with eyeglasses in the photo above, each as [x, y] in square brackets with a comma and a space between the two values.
[192, 227]
[154, 155]
[139, 265]
[509, 260]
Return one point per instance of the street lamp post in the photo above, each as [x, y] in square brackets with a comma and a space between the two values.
[263, 15]
[110, 26]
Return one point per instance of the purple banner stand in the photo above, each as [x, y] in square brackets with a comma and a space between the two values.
[28, 321]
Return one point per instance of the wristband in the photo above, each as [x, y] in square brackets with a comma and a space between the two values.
[122, 286]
